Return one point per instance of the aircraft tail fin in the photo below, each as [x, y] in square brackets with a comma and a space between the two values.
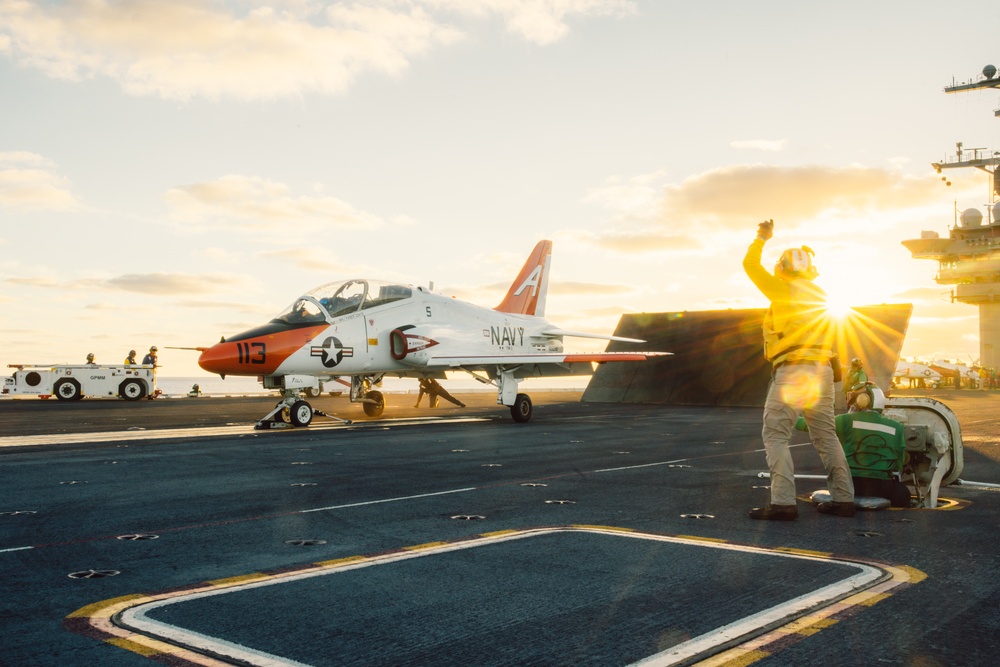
[526, 295]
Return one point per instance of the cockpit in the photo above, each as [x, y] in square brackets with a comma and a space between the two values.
[342, 298]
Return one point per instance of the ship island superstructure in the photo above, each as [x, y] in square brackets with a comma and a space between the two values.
[969, 258]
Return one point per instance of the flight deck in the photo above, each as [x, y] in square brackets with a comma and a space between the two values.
[597, 534]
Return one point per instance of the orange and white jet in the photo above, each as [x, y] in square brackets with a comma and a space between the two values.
[369, 329]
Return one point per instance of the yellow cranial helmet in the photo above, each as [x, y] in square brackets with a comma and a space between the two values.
[797, 262]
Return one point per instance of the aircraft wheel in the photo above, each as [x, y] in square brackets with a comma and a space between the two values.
[374, 409]
[300, 414]
[131, 390]
[312, 392]
[521, 410]
[67, 389]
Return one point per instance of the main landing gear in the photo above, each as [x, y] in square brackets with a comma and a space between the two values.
[293, 411]
[521, 410]
[506, 384]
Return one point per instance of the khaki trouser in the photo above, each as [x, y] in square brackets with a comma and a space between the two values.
[807, 390]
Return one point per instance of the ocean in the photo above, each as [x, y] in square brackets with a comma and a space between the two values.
[211, 385]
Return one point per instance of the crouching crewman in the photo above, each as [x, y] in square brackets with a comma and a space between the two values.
[875, 448]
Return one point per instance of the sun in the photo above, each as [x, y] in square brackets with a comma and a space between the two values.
[846, 288]
[839, 305]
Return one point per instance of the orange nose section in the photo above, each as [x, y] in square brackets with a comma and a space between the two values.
[224, 359]
[257, 355]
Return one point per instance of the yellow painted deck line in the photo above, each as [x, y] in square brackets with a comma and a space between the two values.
[114, 436]
[243, 578]
[122, 620]
[757, 649]
[804, 552]
[211, 431]
[699, 538]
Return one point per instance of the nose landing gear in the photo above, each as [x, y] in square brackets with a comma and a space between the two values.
[291, 410]
[294, 410]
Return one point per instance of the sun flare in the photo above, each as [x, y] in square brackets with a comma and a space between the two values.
[839, 306]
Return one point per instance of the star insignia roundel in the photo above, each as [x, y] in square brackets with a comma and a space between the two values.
[332, 352]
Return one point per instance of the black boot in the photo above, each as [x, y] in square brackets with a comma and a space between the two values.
[837, 509]
[775, 512]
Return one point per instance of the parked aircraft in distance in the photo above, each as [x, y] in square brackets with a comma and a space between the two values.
[949, 369]
[915, 372]
[368, 329]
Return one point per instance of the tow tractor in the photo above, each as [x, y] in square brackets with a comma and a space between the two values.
[71, 383]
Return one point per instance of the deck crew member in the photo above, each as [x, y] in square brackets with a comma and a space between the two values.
[800, 350]
[130, 359]
[433, 389]
[875, 447]
[150, 360]
[855, 382]
[90, 360]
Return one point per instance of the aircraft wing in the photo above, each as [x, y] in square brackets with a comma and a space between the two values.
[459, 361]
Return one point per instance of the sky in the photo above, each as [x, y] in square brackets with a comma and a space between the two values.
[174, 172]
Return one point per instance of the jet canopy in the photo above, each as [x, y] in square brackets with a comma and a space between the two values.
[342, 298]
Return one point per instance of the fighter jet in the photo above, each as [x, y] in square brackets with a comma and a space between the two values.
[368, 329]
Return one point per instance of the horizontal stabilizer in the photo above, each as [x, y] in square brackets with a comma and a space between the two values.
[583, 334]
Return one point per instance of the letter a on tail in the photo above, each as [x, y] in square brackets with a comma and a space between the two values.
[526, 295]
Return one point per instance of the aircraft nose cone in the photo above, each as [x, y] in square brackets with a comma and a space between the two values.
[218, 359]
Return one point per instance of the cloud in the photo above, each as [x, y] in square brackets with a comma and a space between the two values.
[21, 158]
[635, 242]
[542, 21]
[143, 283]
[637, 196]
[45, 283]
[29, 183]
[312, 259]
[170, 283]
[257, 49]
[699, 211]
[724, 197]
[189, 48]
[211, 305]
[772, 146]
[241, 200]
[570, 288]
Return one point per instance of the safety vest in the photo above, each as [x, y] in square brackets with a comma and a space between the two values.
[798, 329]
